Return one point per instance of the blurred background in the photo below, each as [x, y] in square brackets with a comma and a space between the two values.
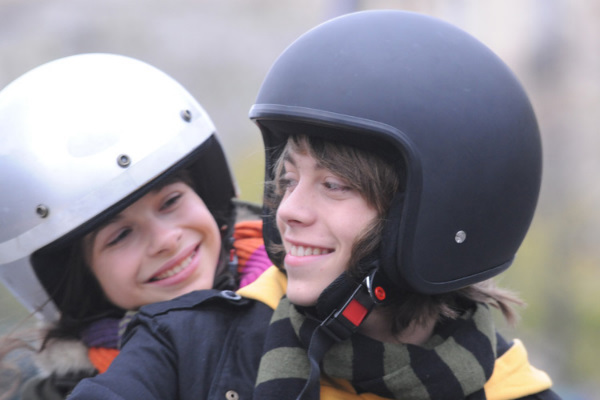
[221, 50]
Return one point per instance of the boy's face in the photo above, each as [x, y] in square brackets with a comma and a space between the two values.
[319, 219]
[164, 245]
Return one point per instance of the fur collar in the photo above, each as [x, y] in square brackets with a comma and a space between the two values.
[64, 356]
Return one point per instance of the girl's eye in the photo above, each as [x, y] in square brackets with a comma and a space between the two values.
[121, 235]
[171, 201]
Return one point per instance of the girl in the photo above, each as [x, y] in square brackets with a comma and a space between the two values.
[405, 163]
[117, 194]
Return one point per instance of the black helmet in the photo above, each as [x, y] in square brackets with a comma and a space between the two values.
[455, 118]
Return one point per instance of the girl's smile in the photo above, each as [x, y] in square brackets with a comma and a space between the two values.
[164, 245]
[177, 270]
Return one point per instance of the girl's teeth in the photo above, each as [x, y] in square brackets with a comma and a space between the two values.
[175, 270]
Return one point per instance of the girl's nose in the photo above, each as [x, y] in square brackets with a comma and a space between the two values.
[163, 238]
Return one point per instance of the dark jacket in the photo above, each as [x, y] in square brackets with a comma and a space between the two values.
[203, 345]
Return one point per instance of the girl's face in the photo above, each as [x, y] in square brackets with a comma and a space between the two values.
[319, 219]
[164, 245]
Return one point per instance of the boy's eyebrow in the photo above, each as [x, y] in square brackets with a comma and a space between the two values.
[287, 157]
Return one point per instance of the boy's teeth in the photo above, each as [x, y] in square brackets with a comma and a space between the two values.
[301, 251]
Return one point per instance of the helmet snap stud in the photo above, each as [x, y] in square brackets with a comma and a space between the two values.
[42, 211]
[186, 115]
[460, 236]
[123, 160]
[380, 293]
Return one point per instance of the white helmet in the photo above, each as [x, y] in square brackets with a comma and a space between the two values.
[80, 139]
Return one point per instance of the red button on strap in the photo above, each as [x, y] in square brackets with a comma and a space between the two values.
[355, 312]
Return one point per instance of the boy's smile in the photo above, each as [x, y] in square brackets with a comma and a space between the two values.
[319, 219]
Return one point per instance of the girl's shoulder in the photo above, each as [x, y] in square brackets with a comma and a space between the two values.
[194, 301]
[248, 243]
[213, 315]
[212, 309]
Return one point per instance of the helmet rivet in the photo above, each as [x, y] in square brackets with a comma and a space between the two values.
[42, 211]
[123, 160]
[186, 115]
[460, 236]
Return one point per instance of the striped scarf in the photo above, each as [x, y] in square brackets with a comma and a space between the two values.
[453, 364]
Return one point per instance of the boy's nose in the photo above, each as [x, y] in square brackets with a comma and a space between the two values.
[297, 206]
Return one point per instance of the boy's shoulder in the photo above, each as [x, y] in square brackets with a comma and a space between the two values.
[268, 288]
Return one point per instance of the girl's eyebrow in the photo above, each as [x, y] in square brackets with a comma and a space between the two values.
[112, 219]
[92, 235]
[115, 218]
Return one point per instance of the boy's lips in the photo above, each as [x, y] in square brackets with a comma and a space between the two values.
[175, 267]
[305, 250]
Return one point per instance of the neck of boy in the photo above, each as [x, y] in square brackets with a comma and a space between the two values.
[378, 326]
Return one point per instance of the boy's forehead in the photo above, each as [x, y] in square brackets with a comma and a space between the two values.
[292, 155]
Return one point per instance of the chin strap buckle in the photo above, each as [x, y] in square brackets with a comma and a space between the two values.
[342, 323]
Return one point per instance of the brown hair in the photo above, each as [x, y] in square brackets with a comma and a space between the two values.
[378, 180]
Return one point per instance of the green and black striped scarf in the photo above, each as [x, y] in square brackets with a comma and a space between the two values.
[454, 364]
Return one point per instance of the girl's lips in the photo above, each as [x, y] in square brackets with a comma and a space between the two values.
[171, 273]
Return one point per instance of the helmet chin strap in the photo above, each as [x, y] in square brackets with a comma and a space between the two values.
[358, 300]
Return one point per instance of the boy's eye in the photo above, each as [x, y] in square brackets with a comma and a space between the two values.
[286, 182]
[331, 185]
[337, 186]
